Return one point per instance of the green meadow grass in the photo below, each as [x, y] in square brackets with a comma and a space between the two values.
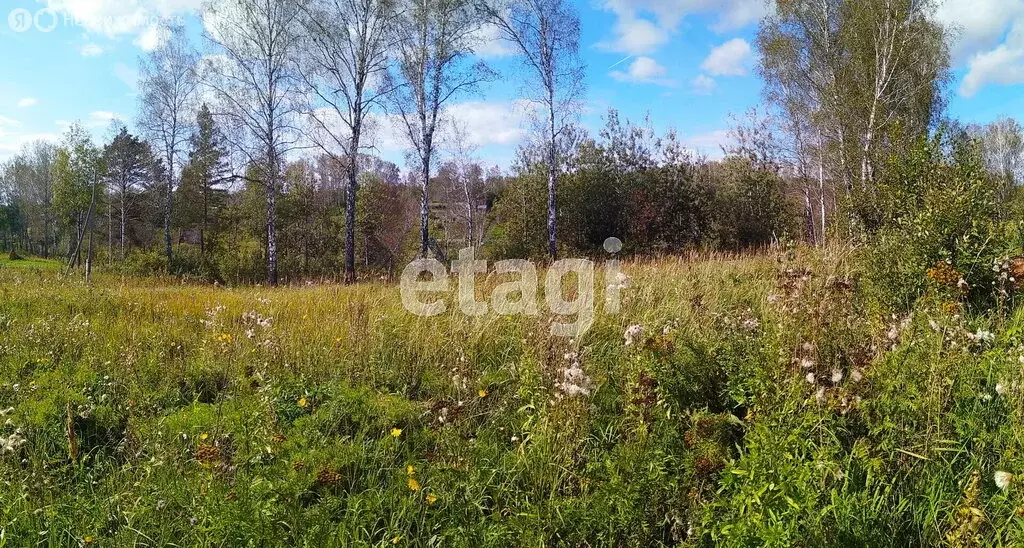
[762, 401]
[29, 263]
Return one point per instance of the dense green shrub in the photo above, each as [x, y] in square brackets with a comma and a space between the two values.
[932, 222]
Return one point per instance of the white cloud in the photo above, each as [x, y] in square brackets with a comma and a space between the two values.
[117, 18]
[709, 144]
[488, 42]
[103, 118]
[28, 102]
[1002, 65]
[492, 123]
[988, 41]
[12, 140]
[486, 123]
[978, 25]
[153, 37]
[642, 70]
[635, 36]
[703, 84]
[729, 59]
[13, 143]
[90, 50]
[639, 36]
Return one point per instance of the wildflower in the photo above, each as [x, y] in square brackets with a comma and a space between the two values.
[303, 402]
[431, 498]
[395, 432]
[203, 436]
[89, 540]
[819, 396]
[396, 540]
[1000, 389]
[837, 376]
[810, 378]
[982, 336]
[1003, 479]
[160, 504]
[413, 484]
[575, 381]
[410, 470]
[225, 338]
[12, 443]
[633, 333]
[856, 375]
[482, 393]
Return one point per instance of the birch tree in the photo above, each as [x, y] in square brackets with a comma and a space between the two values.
[852, 72]
[899, 59]
[253, 77]
[169, 83]
[545, 34]
[345, 61]
[433, 43]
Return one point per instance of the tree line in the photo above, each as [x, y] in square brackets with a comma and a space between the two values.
[257, 157]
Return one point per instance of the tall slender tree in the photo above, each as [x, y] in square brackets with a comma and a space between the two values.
[128, 160]
[346, 60]
[169, 82]
[844, 74]
[201, 191]
[258, 92]
[434, 43]
[546, 35]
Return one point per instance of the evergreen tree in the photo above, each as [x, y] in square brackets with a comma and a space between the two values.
[201, 194]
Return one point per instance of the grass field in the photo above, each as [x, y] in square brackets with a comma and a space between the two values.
[761, 401]
[29, 263]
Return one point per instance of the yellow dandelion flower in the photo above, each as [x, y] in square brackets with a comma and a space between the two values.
[203, 436]
[413, 484]
[431, 498]
[303, 402]
[395, 432]
[89, 540]
[396, 540]
[482, 393]
[410, 470]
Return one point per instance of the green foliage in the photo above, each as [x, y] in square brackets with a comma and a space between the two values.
[934, 206]
[647, 192]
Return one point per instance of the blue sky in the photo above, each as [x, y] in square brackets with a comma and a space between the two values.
[687, 63]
